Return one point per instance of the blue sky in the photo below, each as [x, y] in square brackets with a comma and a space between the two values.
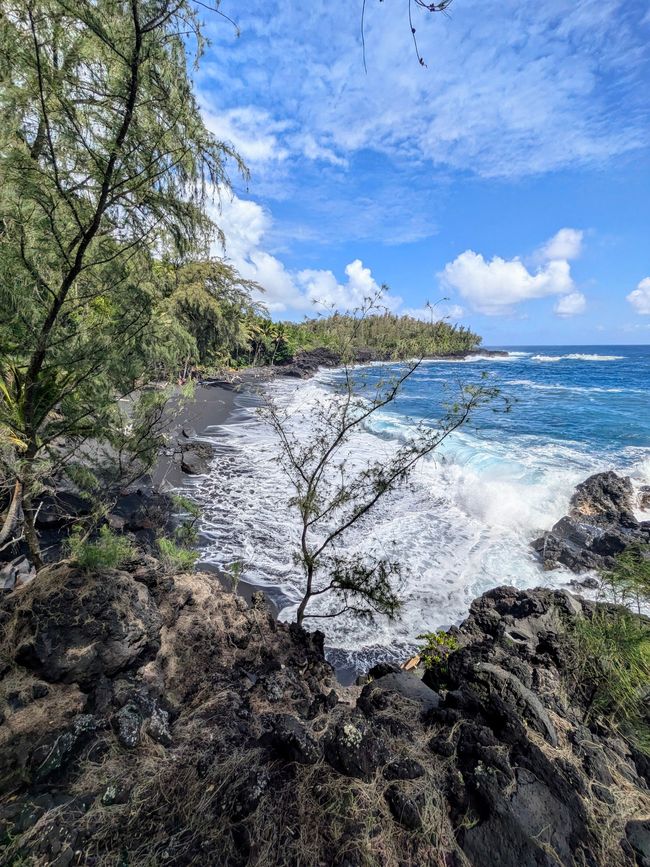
[511, 175]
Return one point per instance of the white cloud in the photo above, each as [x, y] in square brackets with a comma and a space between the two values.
[254, 134]
[529, 88]
[640, 297]
[571, 305]
[495, 286]
[565, 244]
[245, 225]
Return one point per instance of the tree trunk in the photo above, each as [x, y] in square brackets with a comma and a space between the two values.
[300, 613]
[13, 515]
[31, 536]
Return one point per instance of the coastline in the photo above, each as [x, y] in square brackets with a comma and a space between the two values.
[212, 416]
[195, 422]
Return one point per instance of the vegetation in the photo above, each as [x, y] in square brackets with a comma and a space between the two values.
[612, 652]
[104, 159]
[332, 496]
[390, 335]
[437, 647]
[175, 557]
[106, 551]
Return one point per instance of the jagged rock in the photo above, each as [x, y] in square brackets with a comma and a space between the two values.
[644, 498]
[405, 809]
[157, 726]
[600, 524]
[403, 769]
[407, 685]
[72, 626]
[307, 362]
[638, 836]
[488, 763]
[355, 750]
[128, 722]
[51, 758]
[61, 508]
[16, 573]
[289, 738]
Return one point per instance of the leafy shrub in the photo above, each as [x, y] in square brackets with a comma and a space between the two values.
[176, 558]
[107, 550]
[437, 648]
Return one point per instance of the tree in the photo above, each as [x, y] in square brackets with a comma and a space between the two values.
[211, 302]
[331, 495]
[104, 159]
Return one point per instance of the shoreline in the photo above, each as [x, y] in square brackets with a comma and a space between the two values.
[217, 403]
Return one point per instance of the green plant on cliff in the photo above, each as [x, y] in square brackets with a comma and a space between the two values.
[104, 159]
[611, 671]
[628, 580]
[107, 550]
[176, 557]
[437, 647]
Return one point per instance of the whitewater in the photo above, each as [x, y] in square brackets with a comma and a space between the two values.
[466, 521]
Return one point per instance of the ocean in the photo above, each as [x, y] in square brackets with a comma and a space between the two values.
[466, 521]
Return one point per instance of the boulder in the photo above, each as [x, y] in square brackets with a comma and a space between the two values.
[196, 457]
[408, 686]
[600, 525]
[644, 498]
[289, 738]
[17, 573]
[353, 749]
[71, 626]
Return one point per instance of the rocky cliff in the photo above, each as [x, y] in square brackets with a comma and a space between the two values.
[150, 719]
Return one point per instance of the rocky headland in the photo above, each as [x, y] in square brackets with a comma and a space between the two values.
[155, 719]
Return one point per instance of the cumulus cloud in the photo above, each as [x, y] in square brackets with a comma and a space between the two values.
[571, 305]
[565, 244]
[497, 285]
[245, 225]
[640, 297]
[255, 135]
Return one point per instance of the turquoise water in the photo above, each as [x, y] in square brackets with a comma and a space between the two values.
[594, 401]
[466, 521]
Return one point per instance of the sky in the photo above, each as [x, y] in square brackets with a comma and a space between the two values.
[506, 179]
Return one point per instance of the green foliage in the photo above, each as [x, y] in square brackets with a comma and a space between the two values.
[234, 572]
[176, 558]
[437, 647]
[104, 161]
[209, 308]
[106, 551]
[186, 533]
[391, 335]
[611, 665]
[612, 670]
[629, 580]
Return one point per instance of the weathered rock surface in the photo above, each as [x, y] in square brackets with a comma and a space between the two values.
[601, 524]
[149, 719]
[195, 457]
[306, 363]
